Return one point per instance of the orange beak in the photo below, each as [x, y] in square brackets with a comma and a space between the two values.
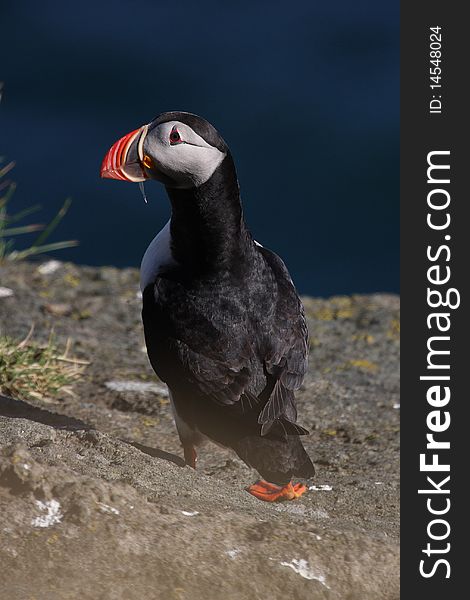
[124, 160]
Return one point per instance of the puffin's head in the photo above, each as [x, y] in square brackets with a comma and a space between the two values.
[179, 149]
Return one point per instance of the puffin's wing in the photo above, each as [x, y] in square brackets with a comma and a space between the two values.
[287, 356]
[222, 381]
[203, 350]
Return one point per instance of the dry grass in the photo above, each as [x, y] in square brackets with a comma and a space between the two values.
[29, 370]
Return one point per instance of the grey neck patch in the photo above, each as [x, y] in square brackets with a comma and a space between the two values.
[157, 257]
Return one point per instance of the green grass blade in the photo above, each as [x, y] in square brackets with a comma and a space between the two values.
[7, 196]
[20, 230]
[33, 250]
[7, 232]
[23, 213]
[53, 224]
[5, 248]
[6, 169]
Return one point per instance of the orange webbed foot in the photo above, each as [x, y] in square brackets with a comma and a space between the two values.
[269, 492]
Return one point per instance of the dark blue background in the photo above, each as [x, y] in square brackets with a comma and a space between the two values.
[305, 93]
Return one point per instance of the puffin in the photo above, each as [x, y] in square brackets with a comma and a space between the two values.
[224, 326]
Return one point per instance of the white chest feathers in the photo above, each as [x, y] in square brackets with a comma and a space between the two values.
[157, 257]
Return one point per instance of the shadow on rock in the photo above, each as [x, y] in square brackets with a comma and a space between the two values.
[156, 452]
[18, 409]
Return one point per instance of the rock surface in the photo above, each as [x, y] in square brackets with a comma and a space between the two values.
[95, 501]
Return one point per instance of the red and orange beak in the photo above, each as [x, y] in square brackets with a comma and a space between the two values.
[124, 160]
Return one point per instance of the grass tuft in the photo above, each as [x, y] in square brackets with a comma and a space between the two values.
[32, 371]
[8, 233]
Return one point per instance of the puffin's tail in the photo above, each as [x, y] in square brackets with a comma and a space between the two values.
[304, 466]
[276, 460]
[279, 414]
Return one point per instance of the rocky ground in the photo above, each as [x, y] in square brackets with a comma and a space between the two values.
[95, 501]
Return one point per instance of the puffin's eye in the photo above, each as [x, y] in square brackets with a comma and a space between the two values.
[175, 136]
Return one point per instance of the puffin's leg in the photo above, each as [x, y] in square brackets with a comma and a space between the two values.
[190, 455]
[269, 492]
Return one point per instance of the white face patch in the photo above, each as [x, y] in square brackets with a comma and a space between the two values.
[190, 162]
[157, 257]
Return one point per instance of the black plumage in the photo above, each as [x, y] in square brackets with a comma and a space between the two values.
[225, 329]
[224, 326]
